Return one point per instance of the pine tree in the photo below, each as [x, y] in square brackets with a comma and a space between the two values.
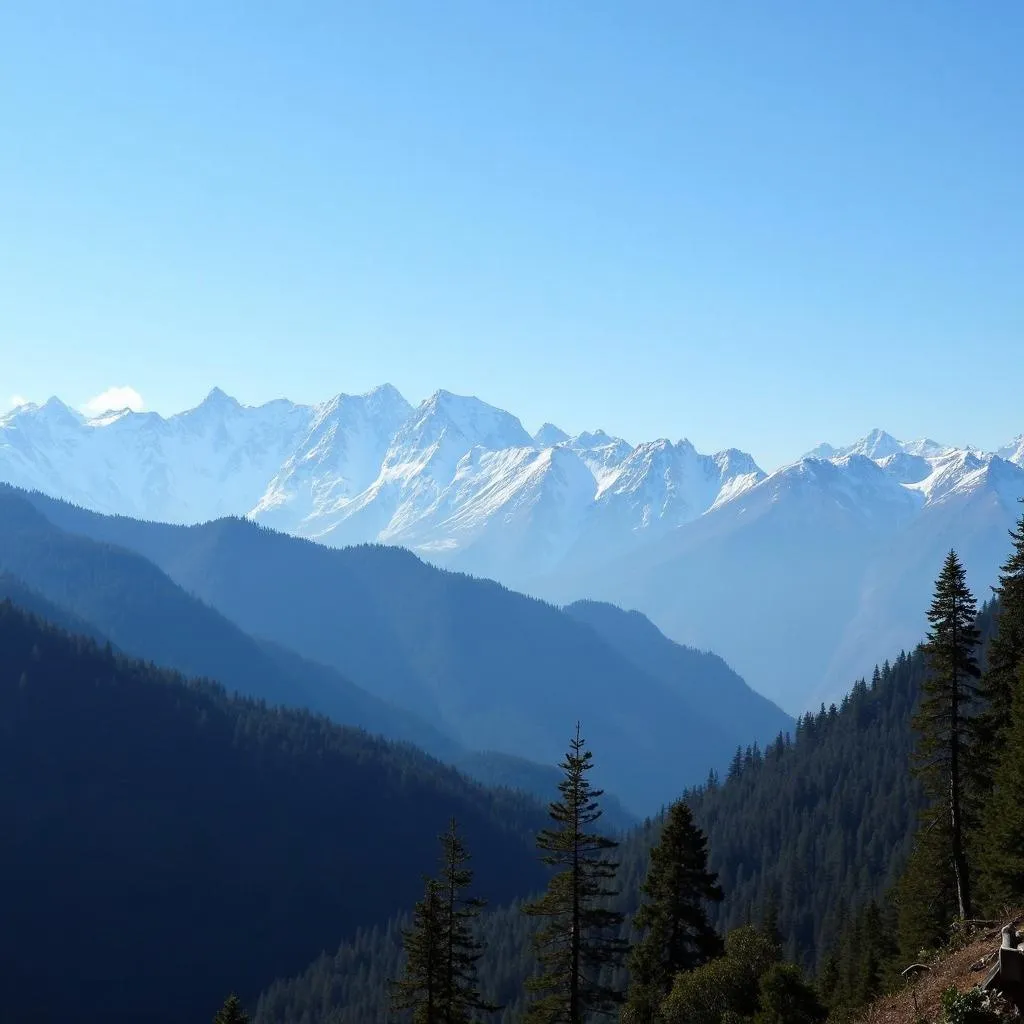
[459, 992]
[231, 1012]
[1006, 651]
[947, 752]
[926, 893]
[422, 984]
[1003, 838]
[872, 955]
[580, 938]
[674, 917]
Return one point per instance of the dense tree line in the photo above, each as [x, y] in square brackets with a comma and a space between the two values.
[181, 842]
[967, 858]
[681, 973]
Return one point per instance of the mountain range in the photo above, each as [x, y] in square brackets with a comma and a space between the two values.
[844, 543]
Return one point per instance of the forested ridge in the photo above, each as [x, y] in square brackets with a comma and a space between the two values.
[429, 641]
[808, 830]
[824, 838]
[182, 842]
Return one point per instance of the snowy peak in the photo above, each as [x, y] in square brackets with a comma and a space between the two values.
[877, 445]
[929, 471]
[462, 421]
[53, 414]
[1014, 451]
[594, 440]
[659, 486]
[822, 451]
[733, 463]
[217, 402]
[339, 456]
[601, 454]
[549, 435]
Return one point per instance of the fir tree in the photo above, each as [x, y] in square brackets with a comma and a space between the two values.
[231, 1012]
[947, 753]
[1006, 650]
[926, 893]
[770, 916]
[580, 938]
[785, 998]
[678, 936]
[1003, 838]
[459, 994]
[421, 987]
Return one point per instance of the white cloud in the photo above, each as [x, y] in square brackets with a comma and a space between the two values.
[15, 400]
[114, 398]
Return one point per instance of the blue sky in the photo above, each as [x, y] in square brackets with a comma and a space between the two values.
[760, 224]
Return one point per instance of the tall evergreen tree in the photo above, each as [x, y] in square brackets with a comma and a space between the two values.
[460, 995]
[678, 935]
[1003, 838]
[1006, 650]
[581, 937]
[947, 751]
[231, 1012]
[423, 982]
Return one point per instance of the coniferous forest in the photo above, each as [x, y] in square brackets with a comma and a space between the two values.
[170, 849]
[796, 887]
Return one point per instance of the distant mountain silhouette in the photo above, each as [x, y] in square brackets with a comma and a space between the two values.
[105, 591]
[494, 669]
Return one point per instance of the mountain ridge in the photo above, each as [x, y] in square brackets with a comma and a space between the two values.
[468, 656]
[563, 517]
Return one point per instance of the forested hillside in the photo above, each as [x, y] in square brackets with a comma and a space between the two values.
[99, 588]
[805, 832]
[164, 843]
[864, 842]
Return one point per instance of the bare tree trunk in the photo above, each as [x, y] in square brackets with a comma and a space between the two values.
[963, 894]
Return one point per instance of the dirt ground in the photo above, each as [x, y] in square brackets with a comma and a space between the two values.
[965, 968]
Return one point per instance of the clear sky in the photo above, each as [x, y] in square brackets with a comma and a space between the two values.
[761, 224]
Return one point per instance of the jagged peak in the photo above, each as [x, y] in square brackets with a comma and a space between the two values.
[822, 451]
[53, 411]
[384, 395]
[596, 439]
[218, 398]
[876, 444]
[734, 462]
[549, 435]
[444, 413]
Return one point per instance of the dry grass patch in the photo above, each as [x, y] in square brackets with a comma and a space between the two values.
[965, 968]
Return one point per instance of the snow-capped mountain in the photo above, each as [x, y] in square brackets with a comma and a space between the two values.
[800, 577]
[809, 576]
[1014, 451]
[457, 480]
[211, 461]
[340, 455]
